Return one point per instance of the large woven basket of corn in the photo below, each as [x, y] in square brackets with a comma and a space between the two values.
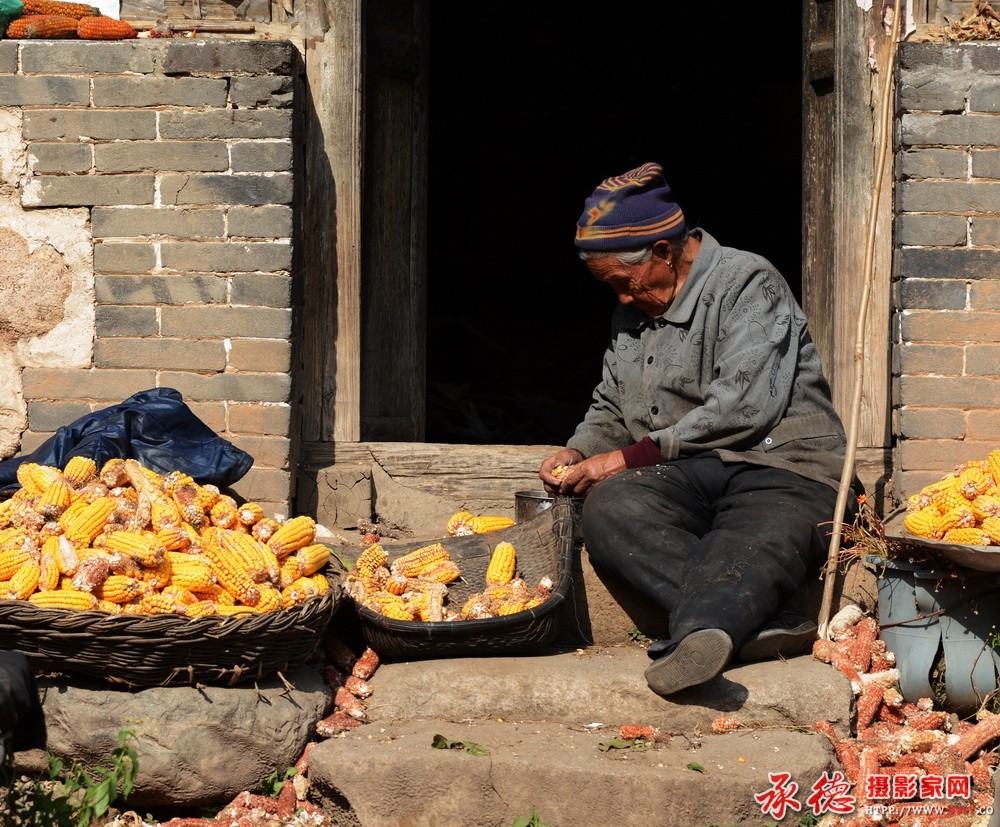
[544, 547]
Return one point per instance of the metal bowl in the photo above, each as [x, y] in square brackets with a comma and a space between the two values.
[528, 504]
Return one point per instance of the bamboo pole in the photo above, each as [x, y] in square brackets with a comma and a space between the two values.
[850, 455]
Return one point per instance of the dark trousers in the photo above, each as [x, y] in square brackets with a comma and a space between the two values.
[718, 545]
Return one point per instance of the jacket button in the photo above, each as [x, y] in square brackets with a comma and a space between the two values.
[654, 410]
[649, 360]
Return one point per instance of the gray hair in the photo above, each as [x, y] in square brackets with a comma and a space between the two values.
[637, 255]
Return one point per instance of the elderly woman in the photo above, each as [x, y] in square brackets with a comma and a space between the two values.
[711, 454]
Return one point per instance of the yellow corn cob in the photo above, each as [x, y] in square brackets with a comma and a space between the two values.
[11, 560]
[959, 517]
[458, 525]
[496, 594]
[432, 611]
[23, 583]
[93, 490]
[55, 500]
[270, 599]
[200, 608]
[244, 547]
[289, 572]
[925, 523]
[179, 595]
[190, 572]
[949, 498]
[228, 571]
[377, 601]
[185, 497]
[12, 537]
[297, 533]
[6, 508]
[48, 572]
[264, 529]
[918, 501]
[397, 584]
[321, 583]
[109, 607]
[119, 588]
[484, 525]
[45, 475]
[421, 560]
[174, 480]
[993, 465]
[157, 604]
[223, 609]
[312, 558]
[300, 590]
[25, 476]
[370, 559]
[533, 602]
[165, 514]
[477, 607]
[967, 536]
[216, 594]
[502, 563]
[157, 576]
[145, 549]
[395, 611]
[509, 607]
[90, 521]
[991, 525]
[64, 599]
[79, 470]
[173, 539]
[122, 563]
[223, 513]
[986, 505]
[444, 572]
[250, 513]
[66, 557]
[70, 515]
[973, 481]
[208, 495]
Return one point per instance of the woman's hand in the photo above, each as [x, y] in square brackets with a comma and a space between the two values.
[568, 456]
[581, 476]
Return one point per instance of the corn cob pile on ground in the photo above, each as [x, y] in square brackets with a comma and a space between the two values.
[125, 539]
[962, 508]
[415, 585]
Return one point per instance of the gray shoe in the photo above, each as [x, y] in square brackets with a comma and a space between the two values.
[786, 634]
[698, 657]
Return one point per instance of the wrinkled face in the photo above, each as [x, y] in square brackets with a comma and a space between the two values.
[650, 286]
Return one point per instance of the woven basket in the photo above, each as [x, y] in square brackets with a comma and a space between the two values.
[544, 548]
[168, 650]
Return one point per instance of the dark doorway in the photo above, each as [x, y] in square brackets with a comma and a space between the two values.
[530, 108]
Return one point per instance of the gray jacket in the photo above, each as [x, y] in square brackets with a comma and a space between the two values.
[730, 368]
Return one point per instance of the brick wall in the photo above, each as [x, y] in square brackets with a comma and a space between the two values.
[947, 261]
[181, 151]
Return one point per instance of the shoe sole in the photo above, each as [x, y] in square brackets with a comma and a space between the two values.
[776, 643]
[699, 657]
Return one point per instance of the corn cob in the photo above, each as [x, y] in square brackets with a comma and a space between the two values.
[90, 521]
[228, 571]
[224, 513]
[397, 584]
[445, 571]
[75, 10]
[66, 557]
[270, 599]
[214, 592]
[973, 481]
[395, 612]
[164, 514]
[113, 473]
[91, 573]
[157, 576]
[23, 583]
[297, 533]
[174, 480]
[420, 560]
[118, 588]
[208, 496]
[986, 505]
[312, 558]
[370, 559]
[125, 564]
[502, 563]
[55, 499]
[960, 517]
[145, 549]
[477, 607]
[93, 490]
[50, 27]
[296, 592]
[484, 525]
[173, 539]
[109, 607]
[11, 560]
[64, 599]
[186, 498]
[79, 470]
[158, 604]
[48, 572]
[321, 582]
[250, 513]
[925, 523]
[993, 465]
[223, 609]
[244, 548]
[949, 498]
[433, 611]
[967, 536]
[289, 572]
[26, 477]
[458, 525]
[264, 529]
[365, 666]
[200, 608]
[991, 525]
[190, 573]
[509, 607]
[179, 595]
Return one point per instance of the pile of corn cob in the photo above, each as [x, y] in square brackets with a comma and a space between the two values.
[963, 508]
[55, 19]
[126, 539]
[415, 585]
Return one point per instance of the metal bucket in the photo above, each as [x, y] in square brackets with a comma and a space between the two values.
[528, 504]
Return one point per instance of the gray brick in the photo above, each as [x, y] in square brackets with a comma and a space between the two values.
[917, 360]
[127, 321]
[949, 392]
[238, 387]
[921, 294]
[939, 453]
[131, 222]
[265, 485]
[267, 451]
[931, 55]
[75, 125]
[267, 355]
[260, 418]
[44, 90]
[931, 423]
[67, 383]
[260, 222]
[87, 190]
[261, 289]
[8, 57]
[949, 197]
[30, 440]
[226, 189]
[261, 156]
[933, 89]
[947, 264]
[951, 326]
[933, 163]
[50, 416]
[213, 414]
[949, 130]
[133, 156]
[985, 294]
[985, 232]
[91, 57]
[272, 91]
[229, 257]
[985, 95]
[253, 57]
[983, 56]
[931, 230]
[227, 123]
[983, 425]
[160, 91]
[226, 322]
[112, 257]
[162, 354]
[162, 290]
[986, 163]
[982, 360]
[44, 158]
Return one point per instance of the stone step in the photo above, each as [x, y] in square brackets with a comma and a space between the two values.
[387, 774]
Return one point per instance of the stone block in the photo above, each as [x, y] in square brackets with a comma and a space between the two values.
[264, 355]
[270, 91]
[97, 124]
[161, 354]
[216, 55]
[982, 360]
[111, 222]
[984, 295]
[931, 423]
[933, 163]
[90, 57]
[931, 89]
[8, 57]
[213, 414]
[984, 96]
[983, 425]
[127, 321]
[931, 230]
[983, 56]
[157, 156]
[267, 451]
[984, 231]
[226, 189]
[923, 294]
[227, 123]
[30, 440]
[160, 91]
[133, 257]
[259, 418]
[919, 454]
[948, 130]
[948, 392]
[986, 163]
[262, 289]
[945, 360]
[50, 416]
[951, 326]
[266, 485]
[87, 190]
[56, 158]
[160, 290]
[933, 56]
[229, 257]
[226, 322]
[946, 264]
[963, 197]
[96, 384]
[260, 222]
[234, 387]
[44, 90]
[262, 156]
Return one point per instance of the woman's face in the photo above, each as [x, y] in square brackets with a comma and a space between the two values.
[651, 286]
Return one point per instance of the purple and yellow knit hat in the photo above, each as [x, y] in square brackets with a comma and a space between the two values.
[628, 211]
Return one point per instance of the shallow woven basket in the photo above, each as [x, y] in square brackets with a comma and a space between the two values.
[168, 650]
[544, 547]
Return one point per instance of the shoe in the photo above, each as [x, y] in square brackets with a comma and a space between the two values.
[697, 658]
[786, 634]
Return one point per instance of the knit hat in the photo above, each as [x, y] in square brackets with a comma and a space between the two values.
[628, 211]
